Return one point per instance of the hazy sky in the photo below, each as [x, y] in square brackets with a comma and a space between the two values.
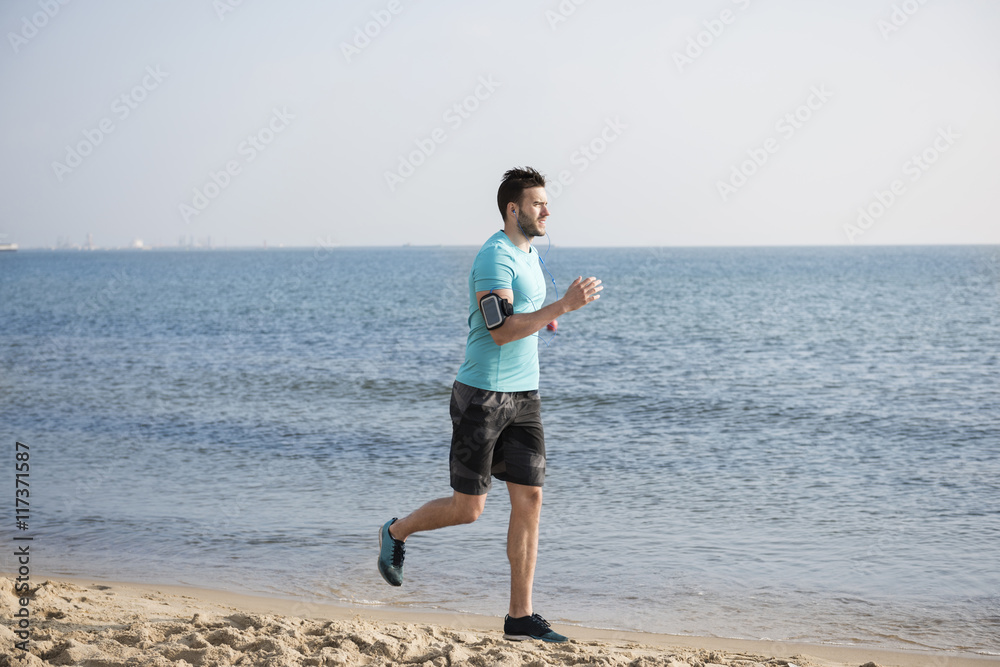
[731, 122]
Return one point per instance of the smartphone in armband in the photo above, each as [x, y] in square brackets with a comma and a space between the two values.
[495, 310]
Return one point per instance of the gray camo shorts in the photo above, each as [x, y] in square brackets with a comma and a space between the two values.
[495, 434]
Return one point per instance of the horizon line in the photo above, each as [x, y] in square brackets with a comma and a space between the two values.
[168, 248]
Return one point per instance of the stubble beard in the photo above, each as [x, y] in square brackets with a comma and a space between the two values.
[529, 228]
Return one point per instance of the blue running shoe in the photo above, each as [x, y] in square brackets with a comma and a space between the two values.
[390, 556]
[530, 627]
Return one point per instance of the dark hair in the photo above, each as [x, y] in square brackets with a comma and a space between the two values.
[515, 182]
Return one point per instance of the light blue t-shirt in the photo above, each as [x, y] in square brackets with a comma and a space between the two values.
[512, 367]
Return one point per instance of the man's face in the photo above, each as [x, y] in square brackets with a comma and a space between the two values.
[532, 211]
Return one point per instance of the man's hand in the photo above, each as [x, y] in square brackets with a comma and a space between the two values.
[519, 325]
[581, 292]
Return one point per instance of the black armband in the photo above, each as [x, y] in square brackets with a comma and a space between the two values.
[495, 310]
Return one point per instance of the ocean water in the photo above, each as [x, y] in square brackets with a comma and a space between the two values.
[781, 443]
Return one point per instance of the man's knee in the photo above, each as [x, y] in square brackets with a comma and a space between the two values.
[527, 498]
[468, 508]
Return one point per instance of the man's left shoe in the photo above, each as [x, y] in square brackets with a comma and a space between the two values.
[390, 555]
[530, 627]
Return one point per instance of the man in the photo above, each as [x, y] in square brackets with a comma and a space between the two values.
[495, 407]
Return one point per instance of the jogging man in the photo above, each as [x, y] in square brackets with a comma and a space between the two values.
[495, 407]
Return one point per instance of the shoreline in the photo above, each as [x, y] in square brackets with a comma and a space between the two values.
[98, 609]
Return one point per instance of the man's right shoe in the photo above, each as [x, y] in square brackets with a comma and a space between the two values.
[530, 627]
[390, 555]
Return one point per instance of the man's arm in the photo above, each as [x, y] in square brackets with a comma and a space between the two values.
[522, 325]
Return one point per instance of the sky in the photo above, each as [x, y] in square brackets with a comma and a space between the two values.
[386, 122]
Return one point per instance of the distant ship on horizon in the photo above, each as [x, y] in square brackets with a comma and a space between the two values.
[8, 246]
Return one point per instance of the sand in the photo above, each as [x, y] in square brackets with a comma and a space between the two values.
[104, 624]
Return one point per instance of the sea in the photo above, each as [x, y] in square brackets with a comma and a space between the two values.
[778, 443]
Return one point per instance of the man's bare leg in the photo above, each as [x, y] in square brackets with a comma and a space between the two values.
[459, 508]
[522, 545]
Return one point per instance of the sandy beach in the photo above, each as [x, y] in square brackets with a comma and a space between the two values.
[83, 622]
